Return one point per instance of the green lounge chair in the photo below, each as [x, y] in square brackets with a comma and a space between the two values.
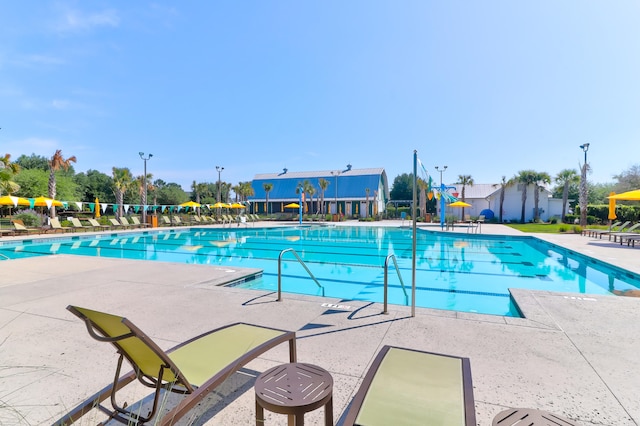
[78, 225]
[409, 387]
[126, 224]
[98, 226]
[194, 368]
[55, 226]
[20, 228]
[627, 232]
[600, 232]
[135, 221]
[114, 223]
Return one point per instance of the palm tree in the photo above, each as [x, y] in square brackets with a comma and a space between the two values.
[367, 190]
[140, 182]
[323, 184]
[267, 186]
[246, 191]
[525, 178]
[122, 180]
[540, 178]
[504, 184]
[566, 178]
[56, 163]
[236, 190]
[199, 190]
[7, 171]
[464, 180]
[308, 188]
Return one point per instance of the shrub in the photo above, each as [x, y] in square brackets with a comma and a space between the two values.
[30, 218]
[577, 229]
[563, 228]
[570, 218]
[553, 220]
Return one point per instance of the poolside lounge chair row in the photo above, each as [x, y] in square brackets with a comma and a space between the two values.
[618, 232]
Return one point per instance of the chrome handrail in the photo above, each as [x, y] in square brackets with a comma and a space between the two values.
[303, 265]
[386, 281]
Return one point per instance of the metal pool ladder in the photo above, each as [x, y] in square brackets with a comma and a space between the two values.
[386, 280]
[303, 265]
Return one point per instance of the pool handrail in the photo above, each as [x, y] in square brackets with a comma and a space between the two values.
[304, 265]
[386, 280]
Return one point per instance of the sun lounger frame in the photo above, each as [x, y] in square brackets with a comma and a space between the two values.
[357, 403]
[195, 394]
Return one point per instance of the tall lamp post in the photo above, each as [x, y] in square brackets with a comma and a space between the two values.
[583, 188]
[144, 190]
[219, 169]
[442, 191]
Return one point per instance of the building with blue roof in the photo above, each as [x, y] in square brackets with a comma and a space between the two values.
[349, 192]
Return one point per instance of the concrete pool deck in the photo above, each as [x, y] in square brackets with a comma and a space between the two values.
[576, 356]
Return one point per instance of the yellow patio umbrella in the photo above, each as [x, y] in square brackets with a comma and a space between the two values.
[292, 206]
[627, 196]
[237, 206]
[191, 204]
[612, 207]
[46, 202]
[10, 200]
[97, 211]
[459, 204]
[219, 205]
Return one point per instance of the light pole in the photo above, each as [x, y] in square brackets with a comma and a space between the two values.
[219, 169]
[442, 191]
[336, 173]
[144, 191]
[583, 188]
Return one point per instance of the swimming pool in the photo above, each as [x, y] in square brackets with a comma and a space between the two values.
[469, 273]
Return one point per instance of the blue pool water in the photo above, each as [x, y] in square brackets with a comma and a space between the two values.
[469, 273]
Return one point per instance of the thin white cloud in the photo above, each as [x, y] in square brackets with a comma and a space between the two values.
[31, 145]
[75, 20]
[60, 104]
[44, 60]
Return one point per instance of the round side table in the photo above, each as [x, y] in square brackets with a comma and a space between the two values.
[527, 416]
[294, 389]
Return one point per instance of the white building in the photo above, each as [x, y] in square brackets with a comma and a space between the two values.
[484, 197]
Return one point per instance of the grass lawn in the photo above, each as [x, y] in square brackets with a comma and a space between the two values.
[546, 228]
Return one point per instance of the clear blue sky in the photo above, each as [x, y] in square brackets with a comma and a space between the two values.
[485, 87]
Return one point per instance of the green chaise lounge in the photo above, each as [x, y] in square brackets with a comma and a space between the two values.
[410, 387]
[194, 368]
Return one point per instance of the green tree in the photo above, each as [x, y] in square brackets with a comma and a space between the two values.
[541, 178]
[402, 188]
[464, 180]
[122, 180]
[566, 178]
[310, 190]
[323, 184]
[525, 178]
[198, 191]
[94, 184]
[504, 184]
[33, 161]
[170, 193]
[268, 187]
[56, 163]
[33, 182]
[8, 170]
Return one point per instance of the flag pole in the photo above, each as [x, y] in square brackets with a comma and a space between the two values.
[413, 248]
